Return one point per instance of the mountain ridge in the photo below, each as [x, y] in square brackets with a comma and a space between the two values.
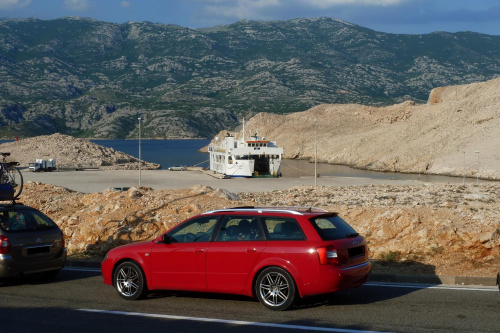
[88, 78]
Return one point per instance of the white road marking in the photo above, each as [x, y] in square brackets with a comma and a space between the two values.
[231, 322]
[431, 286]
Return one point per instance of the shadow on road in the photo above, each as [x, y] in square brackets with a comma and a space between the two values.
[48, 278]
[56, 319]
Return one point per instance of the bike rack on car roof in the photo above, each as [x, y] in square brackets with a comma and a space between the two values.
[285, 209]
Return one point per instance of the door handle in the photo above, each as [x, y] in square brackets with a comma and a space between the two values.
[199, 250]
[253, 250]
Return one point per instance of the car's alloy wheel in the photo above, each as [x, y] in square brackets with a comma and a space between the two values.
[129, 280]
[275, 288]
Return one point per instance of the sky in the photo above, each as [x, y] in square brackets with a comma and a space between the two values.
[392, 16]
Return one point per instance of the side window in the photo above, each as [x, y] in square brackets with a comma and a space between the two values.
[197, 230]
[240, 228]
[280, 228]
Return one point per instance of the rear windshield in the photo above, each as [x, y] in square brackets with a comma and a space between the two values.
[333, 227]
[25, 220]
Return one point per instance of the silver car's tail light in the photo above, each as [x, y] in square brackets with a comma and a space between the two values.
[4, 245]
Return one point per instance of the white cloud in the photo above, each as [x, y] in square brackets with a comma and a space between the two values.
[332, 3]
[13, 4]
[267, 9]
[77, 5]
[125, 4]
[328, 3]
[240, 9]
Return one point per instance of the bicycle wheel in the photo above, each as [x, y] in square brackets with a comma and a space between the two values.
[14, 177]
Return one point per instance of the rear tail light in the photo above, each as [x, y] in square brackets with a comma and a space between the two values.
[328, 255]
[4, 245]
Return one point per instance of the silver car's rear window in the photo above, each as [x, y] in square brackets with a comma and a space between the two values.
[25, 220]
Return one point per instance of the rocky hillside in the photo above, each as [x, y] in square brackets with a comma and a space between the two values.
[434, 229]
[440, 137]
[94, 79]
[70, 152]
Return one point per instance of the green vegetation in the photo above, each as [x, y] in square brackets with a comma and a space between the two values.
[391, 256]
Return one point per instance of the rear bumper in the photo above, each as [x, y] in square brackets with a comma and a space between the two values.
[10, 267]
[333, 278]
[354, 276]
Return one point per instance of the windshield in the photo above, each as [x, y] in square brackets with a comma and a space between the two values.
[333, 227]
[25, 220]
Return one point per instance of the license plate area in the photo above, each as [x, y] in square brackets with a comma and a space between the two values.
[356, 251]
[38, 250]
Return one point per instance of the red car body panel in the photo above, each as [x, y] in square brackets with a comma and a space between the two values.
[232, 266]
[177, 265]
[229, 265]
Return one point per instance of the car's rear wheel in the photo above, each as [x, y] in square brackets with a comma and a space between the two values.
[129, 281]
[275, 289]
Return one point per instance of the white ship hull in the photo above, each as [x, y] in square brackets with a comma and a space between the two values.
[245, 158]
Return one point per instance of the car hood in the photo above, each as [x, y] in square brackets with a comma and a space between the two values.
[134, 247]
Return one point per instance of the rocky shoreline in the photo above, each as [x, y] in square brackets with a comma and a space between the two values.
[71, 153]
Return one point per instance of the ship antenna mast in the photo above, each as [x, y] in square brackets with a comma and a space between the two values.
[243, 129]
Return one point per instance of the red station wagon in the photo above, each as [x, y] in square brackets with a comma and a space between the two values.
[274, 254]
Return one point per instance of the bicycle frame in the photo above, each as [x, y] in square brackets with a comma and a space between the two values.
[8, 174]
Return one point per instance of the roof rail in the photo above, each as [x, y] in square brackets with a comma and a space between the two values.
[288, 209]
[11, 203]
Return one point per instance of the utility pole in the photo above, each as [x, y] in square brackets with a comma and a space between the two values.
[140, 160]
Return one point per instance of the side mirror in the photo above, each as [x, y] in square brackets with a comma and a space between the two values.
[165, 239]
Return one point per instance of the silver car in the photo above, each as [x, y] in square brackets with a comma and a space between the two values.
[30, 242]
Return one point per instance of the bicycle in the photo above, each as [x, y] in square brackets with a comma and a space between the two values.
[9, 174]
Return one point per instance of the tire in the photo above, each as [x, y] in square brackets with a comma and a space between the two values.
[275, 289]
[15, 178]
[129, 281]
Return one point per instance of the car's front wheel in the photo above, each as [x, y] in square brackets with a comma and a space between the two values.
[129, 280]
[275, 288]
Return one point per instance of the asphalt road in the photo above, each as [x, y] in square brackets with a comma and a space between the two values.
[92, 181]
[78, 301]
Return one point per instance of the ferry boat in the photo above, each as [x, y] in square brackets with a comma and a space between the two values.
[255, 157]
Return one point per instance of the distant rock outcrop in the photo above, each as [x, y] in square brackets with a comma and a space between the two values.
[70, 152]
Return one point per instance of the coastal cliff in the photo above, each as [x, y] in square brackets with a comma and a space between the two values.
[456, 133]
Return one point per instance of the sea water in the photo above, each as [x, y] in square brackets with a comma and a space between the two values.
[169, 153]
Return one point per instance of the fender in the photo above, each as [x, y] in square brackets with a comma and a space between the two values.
[272, 261]
[130, 253]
